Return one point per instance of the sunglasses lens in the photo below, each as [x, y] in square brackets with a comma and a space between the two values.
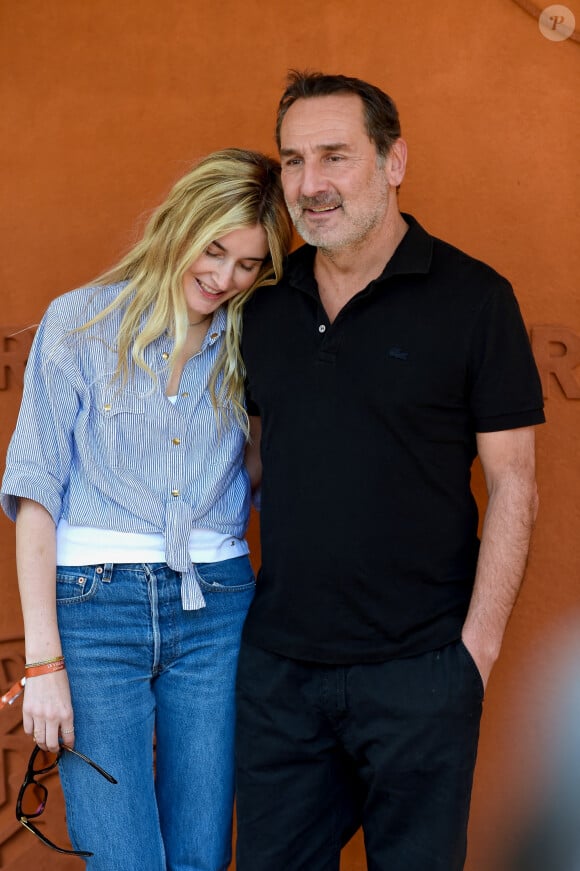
[44, 761]
[33, 800]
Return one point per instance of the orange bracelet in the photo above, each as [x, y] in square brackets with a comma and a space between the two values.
[48, 668]
[58, 658]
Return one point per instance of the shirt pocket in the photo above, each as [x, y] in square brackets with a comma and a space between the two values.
[119, 418]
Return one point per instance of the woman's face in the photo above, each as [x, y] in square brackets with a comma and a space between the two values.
[228, 266]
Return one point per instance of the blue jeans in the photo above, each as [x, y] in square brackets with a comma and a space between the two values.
[139, 666]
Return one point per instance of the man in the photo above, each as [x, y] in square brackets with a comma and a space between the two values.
[379, 367]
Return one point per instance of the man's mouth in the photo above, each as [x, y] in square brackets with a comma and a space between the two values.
[318, 208]
[318, 205]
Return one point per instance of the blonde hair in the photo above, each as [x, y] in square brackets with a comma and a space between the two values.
[228, 190]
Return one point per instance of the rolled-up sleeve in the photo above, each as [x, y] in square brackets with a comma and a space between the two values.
[40, 452]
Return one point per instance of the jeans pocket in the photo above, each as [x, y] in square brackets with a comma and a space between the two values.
[227, 576]
[75, 584]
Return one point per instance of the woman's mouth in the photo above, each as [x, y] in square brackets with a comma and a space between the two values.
[208, 292]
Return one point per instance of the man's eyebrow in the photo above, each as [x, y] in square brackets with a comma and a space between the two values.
[329, 146]
[221, 247]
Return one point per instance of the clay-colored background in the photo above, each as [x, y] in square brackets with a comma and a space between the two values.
[106, 102]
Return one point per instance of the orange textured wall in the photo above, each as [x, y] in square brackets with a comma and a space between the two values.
[105, 103]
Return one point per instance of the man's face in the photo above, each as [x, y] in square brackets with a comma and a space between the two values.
[336, 187]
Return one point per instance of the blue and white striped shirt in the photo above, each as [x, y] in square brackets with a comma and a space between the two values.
[124, 458]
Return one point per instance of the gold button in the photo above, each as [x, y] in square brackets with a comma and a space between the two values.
[176, 441]
[175, 492]
[165, 355]
[185, 394]
[106, 407]
[214, 335]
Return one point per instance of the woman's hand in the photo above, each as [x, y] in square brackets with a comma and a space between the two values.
[47, 712]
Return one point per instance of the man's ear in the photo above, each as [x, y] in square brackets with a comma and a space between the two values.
[396, 162]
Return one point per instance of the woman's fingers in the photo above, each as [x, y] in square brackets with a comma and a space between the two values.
[47, 713]
[67, 733]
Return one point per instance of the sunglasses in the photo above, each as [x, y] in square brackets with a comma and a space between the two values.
[32, 797]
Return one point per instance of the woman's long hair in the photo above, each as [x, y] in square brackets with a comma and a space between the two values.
[226, 191]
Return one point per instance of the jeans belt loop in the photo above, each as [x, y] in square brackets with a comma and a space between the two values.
[107, 571]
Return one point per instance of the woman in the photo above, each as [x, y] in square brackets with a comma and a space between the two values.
[125, 476]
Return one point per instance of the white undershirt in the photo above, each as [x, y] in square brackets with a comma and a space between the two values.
[86, 545]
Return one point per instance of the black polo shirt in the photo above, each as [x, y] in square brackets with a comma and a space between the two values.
[368, 524]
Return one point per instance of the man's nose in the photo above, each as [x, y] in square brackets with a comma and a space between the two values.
[313, 181]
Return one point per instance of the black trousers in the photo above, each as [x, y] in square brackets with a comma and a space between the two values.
[322, 750]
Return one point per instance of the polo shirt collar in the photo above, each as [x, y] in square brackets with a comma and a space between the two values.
[412, 256]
